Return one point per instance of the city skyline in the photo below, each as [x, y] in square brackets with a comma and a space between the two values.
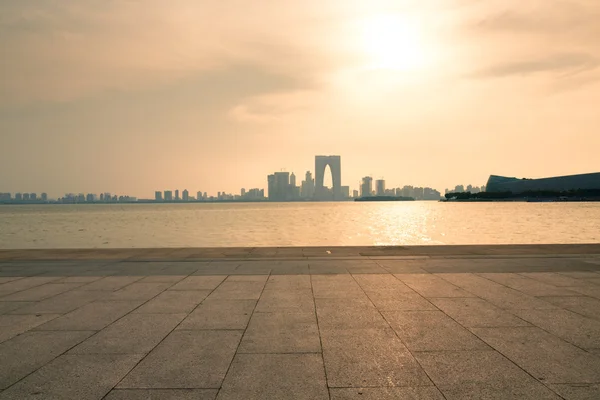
[204, 93]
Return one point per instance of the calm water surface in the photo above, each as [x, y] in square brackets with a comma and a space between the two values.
[296, 224]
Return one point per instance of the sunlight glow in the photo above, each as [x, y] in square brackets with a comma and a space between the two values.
[393, 42]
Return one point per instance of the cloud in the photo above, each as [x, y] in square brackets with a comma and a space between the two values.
[567, 64]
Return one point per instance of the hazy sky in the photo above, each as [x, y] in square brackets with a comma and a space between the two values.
[134, 96]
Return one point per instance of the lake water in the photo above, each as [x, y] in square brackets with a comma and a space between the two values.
[296, 224]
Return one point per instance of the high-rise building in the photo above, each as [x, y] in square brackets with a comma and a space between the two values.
[33, 196]
[25, 196]
[335, 166]
[355, 193]
[177, 198]
[293, 180]
[346, 192]
[5, 197]
[199, 196]
[90, 198]
[185, 195]
[18, 197]
[366, 187]
[380, 187]
[243, 192]
[44, 197]
[307, 191]
[158, 196]
[168, 195]
[459, 189]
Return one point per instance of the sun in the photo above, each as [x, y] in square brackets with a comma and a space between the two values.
[392, 42]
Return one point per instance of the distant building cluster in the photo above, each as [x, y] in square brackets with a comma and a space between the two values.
[169, 196]
[468, 188]
[23, 198]
[72, 198]
[417, 193]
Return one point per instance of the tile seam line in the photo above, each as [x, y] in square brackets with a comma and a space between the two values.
[163, 339]
[396, 333]
[312, 291]
[243, 334]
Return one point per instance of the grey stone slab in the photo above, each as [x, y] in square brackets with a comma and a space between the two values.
[377, 282]
[74, 377]
[186, 359]
[281, 332]
[555, 279]
[24, 284]
[527, 285]
[27, 352]
[476, 312]
[163, 279]
[580, 274]
[111, 283]
[247, 278]
[387, 393]
[480, 375]
[291, 268]
[162, 394]
[41, 292]
[220, 314]
[273, 300]
[9, 306]
[403, 266]
[578, 391]
[174, 301]
[591, 290]
[367, 358]
[428, 285]
[80, 279]
[495, 293]
[62, 303]
[275, 376]
[293, 282]
[348, 314]
[138, 291]
[546, 357]
[336, 286]
[398, 300]
[199, 283]
[574, 328]
[432, 331]
[91, 317]
[13, 325]
[238, 291]
[586, 306]
[6, 279]
[132, 334]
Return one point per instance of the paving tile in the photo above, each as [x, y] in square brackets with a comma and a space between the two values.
[499, 295]
[281, 332]
[336, 286]
[387, 393]
[62, 303]
[394, 300]
[162, 394]
[74, 377]
[580, 274]
[27, 352]
[111, 283]
[527, 285]
[348, 314]
[91, 317]
[428, 285]
[374, 282]
[480, 375]
[275, 376]
[476, 312]
[574, 328]
[24, 284]
[199, 283]
[402, 266]
[41, 292]
[578, 391]
[592, 291]
[201, 361]
[132, 334]
[431, 331]
[6, 279]
[586, 306]
[174, 301]
[163, 279]
[9, 306]
[80, 279]
[286, 300]
[220, 314]
[555, 279]
[291, 282]
[13, 325]
[247, 278]
[138, 291]
[368, 358]
[238, 291]
[546, 357]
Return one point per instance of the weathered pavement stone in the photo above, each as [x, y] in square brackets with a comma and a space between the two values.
[455, 322]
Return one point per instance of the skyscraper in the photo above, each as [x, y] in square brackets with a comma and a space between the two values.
[158, 196]
[186, 195]
[335, 165]
[168, 195]
[366, 187]
[177, 198]
[307, 190]
[380, 187]
[293, 180]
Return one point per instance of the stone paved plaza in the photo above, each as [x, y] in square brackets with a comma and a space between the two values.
[455, 322]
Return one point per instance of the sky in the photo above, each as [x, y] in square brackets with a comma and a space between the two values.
[133, 96]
